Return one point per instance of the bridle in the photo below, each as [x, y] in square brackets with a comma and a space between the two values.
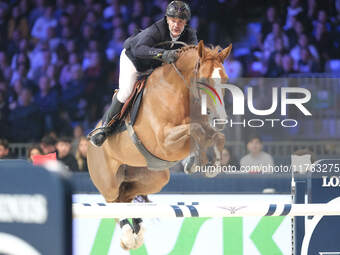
[196, 69]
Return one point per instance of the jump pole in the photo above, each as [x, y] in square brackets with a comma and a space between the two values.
[153, 210]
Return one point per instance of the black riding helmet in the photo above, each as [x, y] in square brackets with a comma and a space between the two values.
[178, 9]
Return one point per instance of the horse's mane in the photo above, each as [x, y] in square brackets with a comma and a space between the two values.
[211, 51]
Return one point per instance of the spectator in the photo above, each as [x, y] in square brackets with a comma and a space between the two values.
[52, 74]
[287, 65]
[45, 60]
[78, 133]
[257, 160]
[20, 68]
[3, 85]
[52, 39]
[294, 33]
[66, 33]
[81, 154]
[115, 46]
[66, 74]
[64, 153]
[306, 63]
[48, 144]
[64, 21]
[37, 12]
[14, 43]
[275, 65]
[86, 36]
[43, 23]
[145, 22]
[267, 23]
[3, 27]
[303, 43]
[322, 42]
[5, 68]
[137, 10]
[93, 76]
[18, 22]
[24, 8]
[227, 158]
[48, 103]
[4, 113]
[279, 47]
[132, 29]
[323, 19]
[60, 8]
[335, 33]
[73, 11]
[269, 42]
[32, 151]
[25, 120]
[114, 9]
[23, 50]
[293, 9]
[72, 93]
[13, 93]
[4, 149]
[312, 7]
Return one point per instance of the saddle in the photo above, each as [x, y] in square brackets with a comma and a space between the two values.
[131, 106]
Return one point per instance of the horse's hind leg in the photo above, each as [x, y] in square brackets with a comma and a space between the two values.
[106, 177]
[141, 181]
[104, 173]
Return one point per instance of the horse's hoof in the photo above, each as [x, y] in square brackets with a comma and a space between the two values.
[139, 238]
[98, 139]
[127, 239]
[210, 174]
[190, 166]
[214, 172]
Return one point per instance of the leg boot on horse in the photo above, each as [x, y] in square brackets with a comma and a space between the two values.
[109, 117]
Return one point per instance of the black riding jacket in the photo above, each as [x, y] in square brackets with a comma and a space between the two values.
[141, 49]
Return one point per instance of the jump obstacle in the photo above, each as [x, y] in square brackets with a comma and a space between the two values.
[153, 210]
[51, 193]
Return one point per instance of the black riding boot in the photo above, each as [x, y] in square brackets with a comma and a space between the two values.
[99, 138]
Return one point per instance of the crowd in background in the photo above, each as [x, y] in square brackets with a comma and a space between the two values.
[59, 59]
[72, 152]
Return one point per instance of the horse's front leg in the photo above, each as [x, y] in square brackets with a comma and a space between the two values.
[177, 136]
[132, 236]
[218, 141]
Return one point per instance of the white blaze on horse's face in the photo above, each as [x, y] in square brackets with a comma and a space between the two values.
[216, 73]
[220, 109]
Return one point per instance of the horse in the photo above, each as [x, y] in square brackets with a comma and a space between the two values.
[118, 169]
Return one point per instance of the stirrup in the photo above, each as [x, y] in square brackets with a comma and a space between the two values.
[95, 131]
[103, 128]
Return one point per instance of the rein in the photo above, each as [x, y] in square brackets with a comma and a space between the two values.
[173, 64]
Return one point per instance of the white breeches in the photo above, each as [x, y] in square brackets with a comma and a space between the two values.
[127, 77]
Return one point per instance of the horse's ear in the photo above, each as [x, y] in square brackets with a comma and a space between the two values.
[225, 53]
[201, 49]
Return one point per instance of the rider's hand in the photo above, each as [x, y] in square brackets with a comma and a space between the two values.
[170, 56]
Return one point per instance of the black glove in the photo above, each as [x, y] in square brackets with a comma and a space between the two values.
[170, 56]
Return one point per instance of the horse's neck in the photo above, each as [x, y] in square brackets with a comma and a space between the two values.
[187, 62]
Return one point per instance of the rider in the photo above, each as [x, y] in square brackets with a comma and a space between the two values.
[141, 53]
